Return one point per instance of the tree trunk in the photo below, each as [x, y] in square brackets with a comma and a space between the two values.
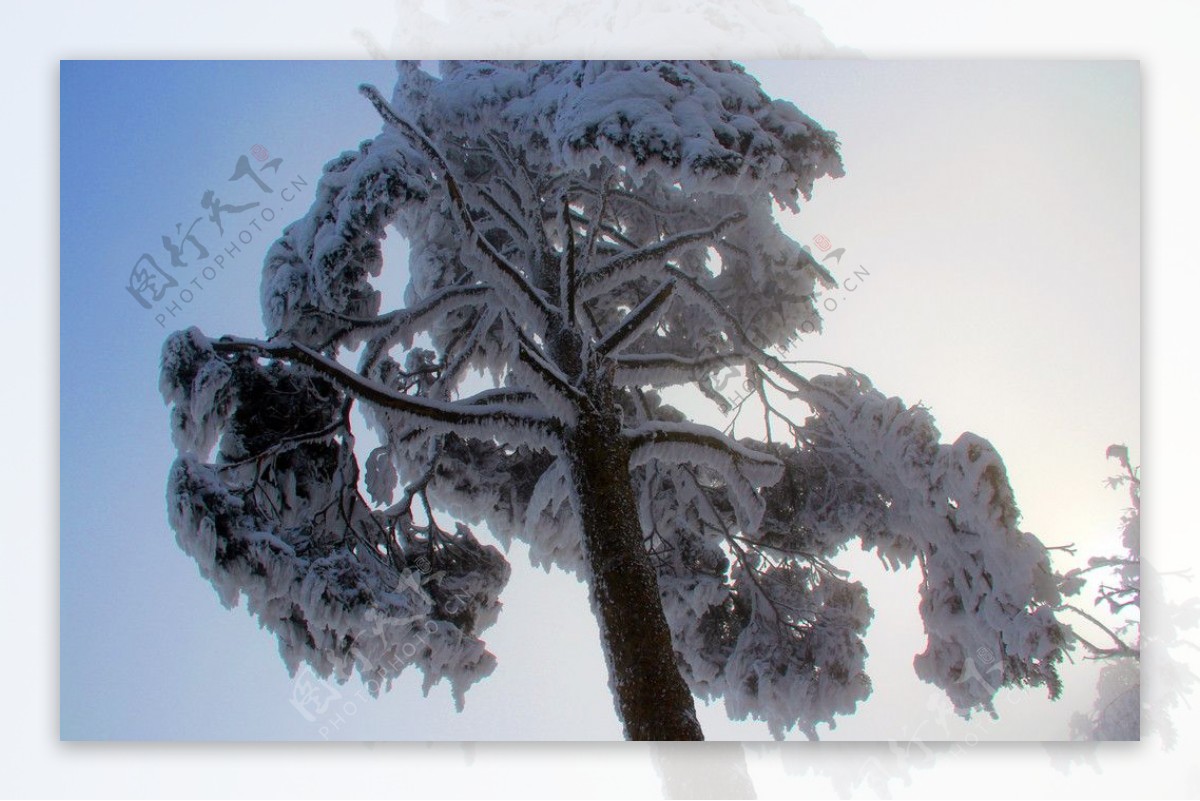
[652, 698]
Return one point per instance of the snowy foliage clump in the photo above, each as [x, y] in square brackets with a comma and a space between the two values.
[581, 235]
[279, 520]
[988, 588]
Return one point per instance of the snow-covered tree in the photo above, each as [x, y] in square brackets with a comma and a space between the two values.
[583, 235]
[1116, 585]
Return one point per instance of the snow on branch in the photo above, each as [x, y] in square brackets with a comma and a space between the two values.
[558, 394]
[508, 276]
[779, 637]
[665, 369]
[647, 260]
[659, 433]
[637, 320]
[481, 481]
[405, 322]
[804, 663]
[323, 262]
[751, 351]
[706, 125]
[568, 270]
[459, 352]
[742, 468]
[477, 418]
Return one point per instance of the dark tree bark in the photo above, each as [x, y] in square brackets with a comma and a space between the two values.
[652, 698]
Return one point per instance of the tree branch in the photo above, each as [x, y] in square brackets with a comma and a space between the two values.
[633, 322]
[504, 268]
[374, 392]
[513, 225]
[455, 362]
[662, 432]
[441, 301]
[529, 355]
[651, 361]
[1122, 648]
[616, 270]
[804, 389]
[339, 423]
[566, 274]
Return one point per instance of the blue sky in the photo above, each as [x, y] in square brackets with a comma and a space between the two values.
[994, 205]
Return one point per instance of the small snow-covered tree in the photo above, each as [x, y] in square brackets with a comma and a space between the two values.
[1116, 583]
[585, 234]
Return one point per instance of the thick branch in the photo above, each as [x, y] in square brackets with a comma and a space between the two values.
[566, 276]
[374, 392]
[662, 432]
[529, 355]
[692, 364]
[631, 326]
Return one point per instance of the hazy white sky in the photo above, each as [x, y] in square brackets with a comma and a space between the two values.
[993, 208]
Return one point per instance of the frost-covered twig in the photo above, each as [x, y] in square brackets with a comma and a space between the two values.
[628, 266]
[508, 273]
